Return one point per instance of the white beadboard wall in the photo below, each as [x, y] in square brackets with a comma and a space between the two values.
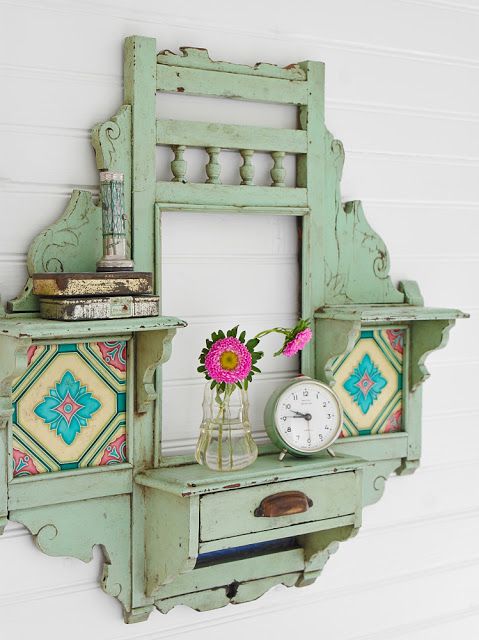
[402, 95]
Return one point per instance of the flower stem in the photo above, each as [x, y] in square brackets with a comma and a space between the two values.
[275, 330]
[223, 405]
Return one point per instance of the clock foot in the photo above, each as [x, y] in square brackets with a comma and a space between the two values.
[331, 453]
[282, 454]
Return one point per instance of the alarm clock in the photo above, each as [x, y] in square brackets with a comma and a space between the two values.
[303, 417]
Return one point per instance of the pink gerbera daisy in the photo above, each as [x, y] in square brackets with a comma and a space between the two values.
[228, 360]
[300, 340]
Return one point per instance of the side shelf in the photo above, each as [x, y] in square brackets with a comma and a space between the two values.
[410, 332]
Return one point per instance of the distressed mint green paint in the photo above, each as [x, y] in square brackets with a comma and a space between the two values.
[208, 511]
[154, 515]
[69, 244]
[229, 136]
[194, 58]
[111, 141]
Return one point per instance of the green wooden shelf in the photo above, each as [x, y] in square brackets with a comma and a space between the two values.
[40, 329]
[193, 479]
[378, 313]
[155, 515]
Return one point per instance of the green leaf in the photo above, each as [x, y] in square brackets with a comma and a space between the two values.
[213, 384]
[251, 344]
[221, 334]
[256, 369]
[242, 336]
[201, 369]
[232, 332]
[209, 343]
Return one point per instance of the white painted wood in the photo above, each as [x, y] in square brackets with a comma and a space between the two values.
[402, 78]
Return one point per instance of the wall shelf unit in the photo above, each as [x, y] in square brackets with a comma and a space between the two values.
[173, 532]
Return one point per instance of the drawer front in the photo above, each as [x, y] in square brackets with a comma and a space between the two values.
[238, 512]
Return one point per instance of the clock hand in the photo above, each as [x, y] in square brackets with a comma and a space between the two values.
[306, 416]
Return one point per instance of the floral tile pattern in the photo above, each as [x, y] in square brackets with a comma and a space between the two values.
[70, 408]
[67, 407]
[365, 383]
[369, 382]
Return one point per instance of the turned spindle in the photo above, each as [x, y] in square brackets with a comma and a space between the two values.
[178, 164]
[247, 168]
[277, 172]
[213, 168]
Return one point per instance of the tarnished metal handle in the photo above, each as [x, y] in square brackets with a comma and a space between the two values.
[286, 503]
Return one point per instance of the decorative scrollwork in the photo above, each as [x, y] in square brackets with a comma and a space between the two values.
[357, 261]
[152, 349]
[108, 132]
[45, 536]
[73, 529]
[108, 137]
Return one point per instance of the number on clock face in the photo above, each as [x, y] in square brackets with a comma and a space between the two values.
[308, 416]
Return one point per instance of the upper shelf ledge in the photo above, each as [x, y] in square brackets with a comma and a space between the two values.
[378, 313]
[39, 328]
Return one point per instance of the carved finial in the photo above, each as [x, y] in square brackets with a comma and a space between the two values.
[247, 168]
[277, 171]
[178, 164]
[213, 168]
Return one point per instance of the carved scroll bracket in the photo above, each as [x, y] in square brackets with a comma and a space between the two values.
[152, 349]
[73, 529]
[72, 243]
[426, 337]
[375, 475]
[357, 260]
[318, 548]
[111, 141]
[335, 338]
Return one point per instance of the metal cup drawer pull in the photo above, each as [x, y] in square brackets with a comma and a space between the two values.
[286, 503]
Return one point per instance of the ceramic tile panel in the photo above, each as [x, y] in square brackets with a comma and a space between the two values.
[70, 408]
[369, 383]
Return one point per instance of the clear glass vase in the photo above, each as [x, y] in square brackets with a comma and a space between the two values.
[225, 442]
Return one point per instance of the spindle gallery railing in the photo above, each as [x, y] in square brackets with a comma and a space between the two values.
[179, 166]
[181, 135]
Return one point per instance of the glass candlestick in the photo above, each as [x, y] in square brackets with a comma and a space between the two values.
[115, 252]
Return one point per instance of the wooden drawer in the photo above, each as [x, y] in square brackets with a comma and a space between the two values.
[232, 513]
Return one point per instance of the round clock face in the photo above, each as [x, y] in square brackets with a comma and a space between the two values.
[307, 416]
